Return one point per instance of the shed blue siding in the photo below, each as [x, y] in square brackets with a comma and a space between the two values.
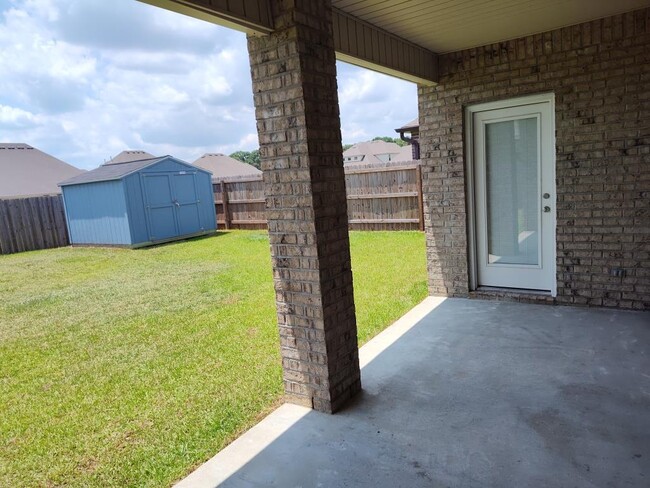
[97, 213]
[167, 165]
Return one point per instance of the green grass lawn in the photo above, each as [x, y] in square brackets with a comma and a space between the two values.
[131, 367]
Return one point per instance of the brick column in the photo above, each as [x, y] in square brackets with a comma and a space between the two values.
[443, 186]
[297, 111]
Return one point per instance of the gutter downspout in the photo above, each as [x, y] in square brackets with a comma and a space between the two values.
[414, 143]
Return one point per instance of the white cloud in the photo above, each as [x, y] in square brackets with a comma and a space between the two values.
[359, 86]
[46, 8]
[85, 79]
[16, 118]
[168, 95]
[373, 104]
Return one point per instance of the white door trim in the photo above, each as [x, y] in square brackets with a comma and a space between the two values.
[469, 168]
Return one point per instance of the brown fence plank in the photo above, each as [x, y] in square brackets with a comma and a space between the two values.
[380, 197]
[379, 170]
[17, 221]
[370, 196]
[37, 221]
[418, 173]
[384, 221]
[7, 234]
[249, 221]
[224, 205]
[31, 223]
[61, 225]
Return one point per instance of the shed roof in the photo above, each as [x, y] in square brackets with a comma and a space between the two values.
[117, 171]
[130, 155]
[27, 171]
[222, 166]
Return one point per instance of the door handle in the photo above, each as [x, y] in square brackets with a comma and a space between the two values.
[547, 209]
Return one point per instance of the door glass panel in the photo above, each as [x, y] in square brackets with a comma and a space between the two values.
[512, 177]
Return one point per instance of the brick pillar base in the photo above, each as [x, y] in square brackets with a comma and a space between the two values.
[297, 111]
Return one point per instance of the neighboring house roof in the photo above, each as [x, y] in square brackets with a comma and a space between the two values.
[222, 166]
[371, 152]
[117, 171]
[405, 154]
[130, 155]
[26, 171]
[413, 124]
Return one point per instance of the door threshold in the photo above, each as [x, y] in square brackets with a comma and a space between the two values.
[520, 291]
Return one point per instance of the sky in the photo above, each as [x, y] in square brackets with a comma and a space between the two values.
[83, 80]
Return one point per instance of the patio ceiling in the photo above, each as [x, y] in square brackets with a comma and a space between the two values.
[403, 37]
[444, 26]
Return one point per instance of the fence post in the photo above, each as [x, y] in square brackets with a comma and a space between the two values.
[418, 175]
[224, 205]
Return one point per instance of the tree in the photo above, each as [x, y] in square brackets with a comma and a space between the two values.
[347, 146]
[248, 157]
[396, 140]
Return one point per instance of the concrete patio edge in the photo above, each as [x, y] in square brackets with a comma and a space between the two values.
[237, 454]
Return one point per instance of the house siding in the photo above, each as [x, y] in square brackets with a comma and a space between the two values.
[600, 74]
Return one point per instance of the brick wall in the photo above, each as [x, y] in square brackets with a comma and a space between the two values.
[296, 106]
[600, 74]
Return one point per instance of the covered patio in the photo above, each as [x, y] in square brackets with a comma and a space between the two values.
[470, 393]
[535, 151]
[535, 147]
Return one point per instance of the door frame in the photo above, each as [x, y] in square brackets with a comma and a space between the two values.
[470, 110]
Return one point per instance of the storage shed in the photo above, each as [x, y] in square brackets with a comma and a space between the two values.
[139, 203]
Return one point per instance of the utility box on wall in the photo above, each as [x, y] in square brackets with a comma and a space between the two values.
[139, 203]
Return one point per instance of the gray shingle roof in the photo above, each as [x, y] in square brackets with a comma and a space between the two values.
[413, 124]
[368, 152]
[26, 171]
[222, 166]
[130, 155]
[110, 172]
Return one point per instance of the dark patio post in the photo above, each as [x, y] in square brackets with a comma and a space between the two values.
[297, 111]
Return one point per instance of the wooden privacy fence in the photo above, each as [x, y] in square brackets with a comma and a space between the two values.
[240, 203]
[32, 223]
[386, 197]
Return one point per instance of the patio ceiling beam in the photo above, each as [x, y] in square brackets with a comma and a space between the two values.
[355, 41]
[249, 16]
[363, 44]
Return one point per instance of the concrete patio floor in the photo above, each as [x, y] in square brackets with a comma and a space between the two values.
[470, 393]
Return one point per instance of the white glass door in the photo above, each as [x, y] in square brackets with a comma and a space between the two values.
[515, 197]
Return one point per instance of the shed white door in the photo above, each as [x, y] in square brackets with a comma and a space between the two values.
[515, 196]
